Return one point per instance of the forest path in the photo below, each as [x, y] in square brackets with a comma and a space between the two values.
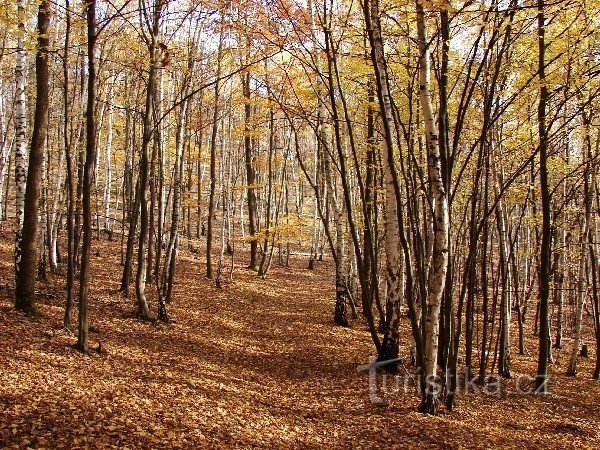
[257, 363]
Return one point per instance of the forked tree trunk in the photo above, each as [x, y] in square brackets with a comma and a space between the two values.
[439, 201]
[168, 273]
[395, 239]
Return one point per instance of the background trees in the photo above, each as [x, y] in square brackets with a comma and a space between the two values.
[444, 154]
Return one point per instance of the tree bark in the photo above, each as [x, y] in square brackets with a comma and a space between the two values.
[26, 274]
[71, 188]
[142, 304]
[439, 202]
[88, 179]
[20, 134]
[213, 163]
[583, 244]
[545, 248]
[250, 170]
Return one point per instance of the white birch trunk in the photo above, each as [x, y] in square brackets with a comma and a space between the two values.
[394, 262]
[4, 149]
[108, 173]
[437, 194]
[20, 132]
[54, 215]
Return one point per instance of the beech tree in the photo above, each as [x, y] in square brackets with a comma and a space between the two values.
[27, 272]
[546, 244]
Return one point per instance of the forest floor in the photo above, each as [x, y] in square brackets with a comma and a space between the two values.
[257, 363]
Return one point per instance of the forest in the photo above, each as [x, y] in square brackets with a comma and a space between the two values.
[299, 224]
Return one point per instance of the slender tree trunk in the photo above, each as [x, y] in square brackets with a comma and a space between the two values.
[108, 171]
[583, 244]
[250, 170]
[269, 205]
[168, 274]
[546, 245]
[504, 357]
[171, 254]
[88, 179]
[596, 303]
[213, 163]
[142, 304]
[131, 238]
[393, 269]
[559, 294]
[160, 137]
[4, 149]
[371, 12]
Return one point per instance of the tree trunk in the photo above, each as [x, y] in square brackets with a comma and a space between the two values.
[88, 179]
[213, 163]
[20, 134]
[545, 248]
[108, 172]
[250, 170]
[584, 239]
[596, 303]
[142, 304]
[26, 274]
[505, 303]
[439, 201]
